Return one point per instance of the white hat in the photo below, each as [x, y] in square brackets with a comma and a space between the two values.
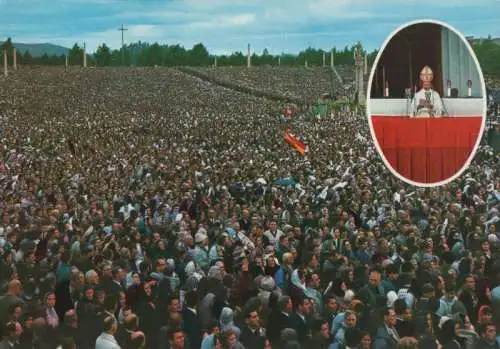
[443, 320]
[391, 298]
[200, 237]
[349, 296]
[492, 238]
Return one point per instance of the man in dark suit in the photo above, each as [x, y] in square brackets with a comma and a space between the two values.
[13, 331]
[111, 281]
[279, 319]
[245, 221]
[299, 321]
[253, 336]
[369, 293]
[467, 295]
[173, 324]
[191, 324]
[387, 337]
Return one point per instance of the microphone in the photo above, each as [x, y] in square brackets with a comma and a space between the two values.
[445, 110]
[408, 100]
[428, 100]
[408, 92]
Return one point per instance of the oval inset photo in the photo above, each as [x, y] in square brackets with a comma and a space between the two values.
[426, 103]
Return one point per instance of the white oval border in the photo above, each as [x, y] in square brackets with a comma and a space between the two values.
[368, 111]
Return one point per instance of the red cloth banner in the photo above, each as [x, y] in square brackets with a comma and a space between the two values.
[295, 142]
[426, 150]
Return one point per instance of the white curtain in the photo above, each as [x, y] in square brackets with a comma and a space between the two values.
[458, 65]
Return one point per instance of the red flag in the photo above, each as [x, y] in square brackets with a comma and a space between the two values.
[295, 142]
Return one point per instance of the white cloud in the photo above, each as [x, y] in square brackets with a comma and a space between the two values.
[159, 14]
[221, 3]
[227, 21]
[141, 30]
[296, 12]
[224, 25]
[238, 20]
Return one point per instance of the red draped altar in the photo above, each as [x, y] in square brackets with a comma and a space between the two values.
[426, 150]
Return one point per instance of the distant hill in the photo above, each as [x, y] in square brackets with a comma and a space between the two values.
[37, 50]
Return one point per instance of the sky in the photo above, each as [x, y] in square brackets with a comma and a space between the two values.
[226, 26]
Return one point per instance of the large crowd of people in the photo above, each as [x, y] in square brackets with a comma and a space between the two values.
[305, 84]
[145, 208]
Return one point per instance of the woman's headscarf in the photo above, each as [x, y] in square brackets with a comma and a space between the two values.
[206, 309]
[208, 342]
[227, 321]
[226, 318]
[448, 334]
[296, 280]
[129, 279]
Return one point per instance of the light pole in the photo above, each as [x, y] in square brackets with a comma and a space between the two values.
[122, 29]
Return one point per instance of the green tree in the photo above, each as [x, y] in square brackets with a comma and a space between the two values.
[488, 54]
[144, 54]
[198, 55]
[75, 55]
[174, 55]
[45, 59]
[9, 47]
[265, 59]
[154, 55]
[103, 56]
[25, 58]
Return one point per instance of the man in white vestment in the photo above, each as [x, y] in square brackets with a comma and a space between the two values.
[426, 103]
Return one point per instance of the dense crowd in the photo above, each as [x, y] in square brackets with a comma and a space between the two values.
[301, 83]
[144, 208]
[492, 82]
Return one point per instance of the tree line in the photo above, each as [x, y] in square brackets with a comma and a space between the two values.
[145, 54]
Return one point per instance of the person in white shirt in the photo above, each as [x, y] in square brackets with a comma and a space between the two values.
[426, 103]
[273, 234]
[107, 339]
